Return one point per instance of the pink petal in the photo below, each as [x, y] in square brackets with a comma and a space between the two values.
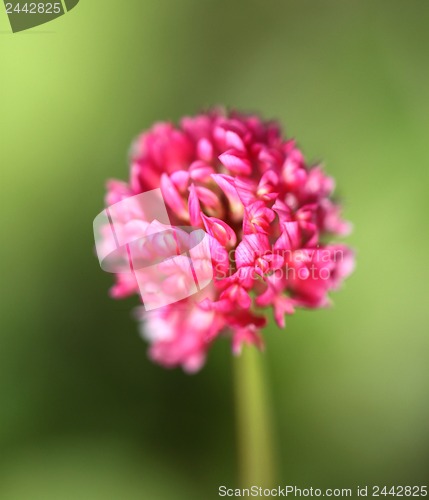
[258, 218]
[276, 261]
[200, 171]
[180, 179]
[290, 238]
[246, 190]
[236, 294]
[205, 150]
[234, 141]
[219, 230]
[226, 183]
[207, 197]
[282, 306]
[172, 197]
[236, 162]
[247, 335]
[267, 185]
[194, 207]
[250, 247]
[283, 211]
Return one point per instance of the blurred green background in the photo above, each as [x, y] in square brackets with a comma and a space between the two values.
[83, 413]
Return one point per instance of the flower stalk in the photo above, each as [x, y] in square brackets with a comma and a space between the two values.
[256, 450]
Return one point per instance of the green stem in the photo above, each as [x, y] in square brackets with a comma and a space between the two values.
[254, 421]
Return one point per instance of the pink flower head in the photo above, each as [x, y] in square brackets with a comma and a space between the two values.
[267, 215]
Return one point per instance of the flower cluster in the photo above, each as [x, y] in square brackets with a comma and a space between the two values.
[267, 215]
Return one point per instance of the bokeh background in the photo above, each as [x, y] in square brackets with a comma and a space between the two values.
[83, 413]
